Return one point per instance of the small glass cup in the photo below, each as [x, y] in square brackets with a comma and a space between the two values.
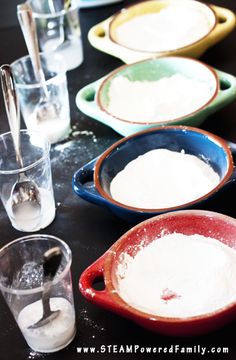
[21, 284]
[35, 152]
[31, 94]
[58, 29]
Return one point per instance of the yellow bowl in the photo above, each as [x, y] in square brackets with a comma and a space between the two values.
[103, 36]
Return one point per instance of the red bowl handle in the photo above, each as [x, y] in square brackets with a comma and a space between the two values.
[103, 298]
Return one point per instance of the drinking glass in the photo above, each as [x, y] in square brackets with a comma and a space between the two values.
[58, 29]
[55, 125]
[35, 152]
[21, 284]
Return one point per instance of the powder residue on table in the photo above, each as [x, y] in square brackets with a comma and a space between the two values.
[159, 100]
[162, 178]
[179, 276]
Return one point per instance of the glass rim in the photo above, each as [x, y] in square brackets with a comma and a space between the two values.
[33, 237]
[52, 79]
[55, 14]
[35, 163]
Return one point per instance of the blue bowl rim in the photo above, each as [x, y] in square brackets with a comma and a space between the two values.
[216, 139]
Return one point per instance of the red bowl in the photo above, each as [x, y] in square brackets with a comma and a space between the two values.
[188, 222]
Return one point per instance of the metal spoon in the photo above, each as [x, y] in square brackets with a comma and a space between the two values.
[45, 109]
[25, 195]
[51, 263]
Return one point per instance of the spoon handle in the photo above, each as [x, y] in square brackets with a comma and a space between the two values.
[46, 298]
[51, 262]
[12, 108]
[28, 27]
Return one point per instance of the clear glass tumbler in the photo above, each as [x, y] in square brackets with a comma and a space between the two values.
[55, 125]
[21, 284]
[35, 152]
[58, 29]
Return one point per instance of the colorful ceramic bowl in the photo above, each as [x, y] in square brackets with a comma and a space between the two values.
[93, 99]
[103, 36]
[92, 181]
[208, 224]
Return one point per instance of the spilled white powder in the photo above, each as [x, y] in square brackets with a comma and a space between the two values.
[162, 178]
[155, 101]
[179, 276]
[171, 28]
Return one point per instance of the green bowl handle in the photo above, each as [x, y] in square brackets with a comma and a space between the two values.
[227, 91]
[86, 100]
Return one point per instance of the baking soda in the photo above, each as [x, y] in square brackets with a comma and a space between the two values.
[179, 276]
[53, 336]
[171, 28]
[157, 101]
[162, 178]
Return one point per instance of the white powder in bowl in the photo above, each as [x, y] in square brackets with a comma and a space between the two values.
[179, 276]
[156, 101]
[171, 28]
[162, 178]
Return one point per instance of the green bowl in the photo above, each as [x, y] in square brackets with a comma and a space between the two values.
[93, 99]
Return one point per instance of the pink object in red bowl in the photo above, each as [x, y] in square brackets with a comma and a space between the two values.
[188, 222]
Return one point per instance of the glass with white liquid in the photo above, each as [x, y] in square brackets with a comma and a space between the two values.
[35, 151]
[54, 124]
[21, 284]
[58, 29]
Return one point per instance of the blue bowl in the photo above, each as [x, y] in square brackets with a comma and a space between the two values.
[92, 181]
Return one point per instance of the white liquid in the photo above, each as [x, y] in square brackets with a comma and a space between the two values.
[55, 129]
[26, 221]
[155, 101]
[53, 336]
[179, 276]
[171, 28]
[71, 52]
[162, 178]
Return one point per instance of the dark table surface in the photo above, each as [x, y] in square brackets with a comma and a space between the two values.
[90, 230]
